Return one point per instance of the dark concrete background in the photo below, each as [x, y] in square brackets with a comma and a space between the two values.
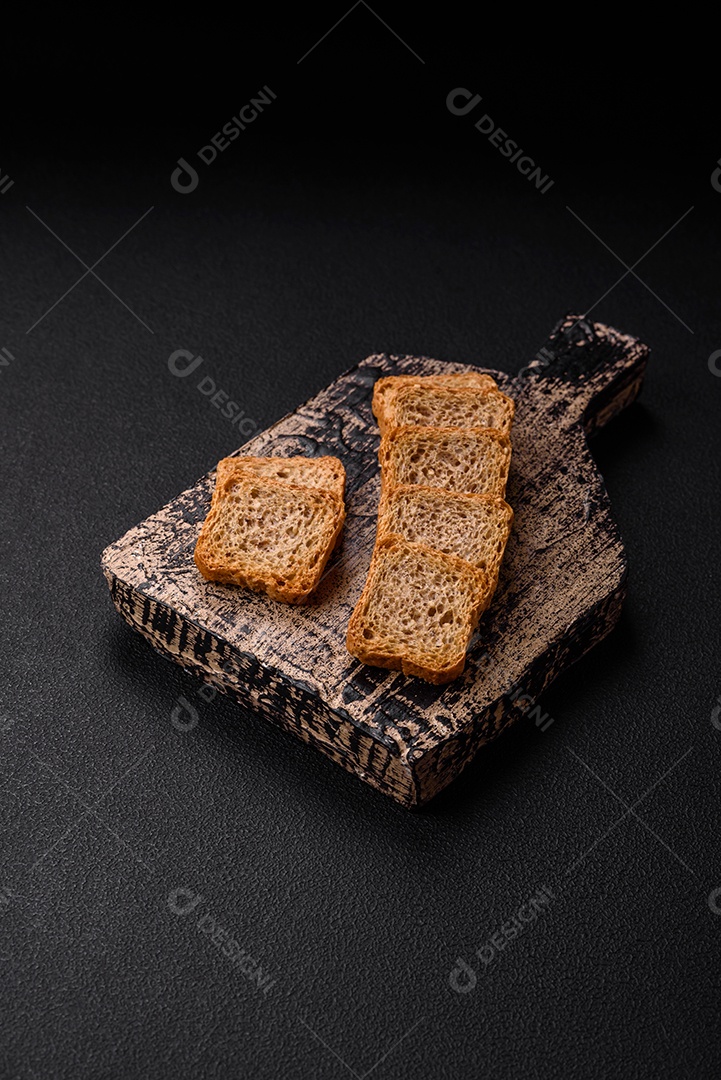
[356, 214]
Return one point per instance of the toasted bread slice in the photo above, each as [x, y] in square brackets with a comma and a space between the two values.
[473, 527]
[417, 611]
[421, 405]
[387, 386]
[320, 473]
[269, 535]
[473, 460]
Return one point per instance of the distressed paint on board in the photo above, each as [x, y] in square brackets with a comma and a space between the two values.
[560, 591]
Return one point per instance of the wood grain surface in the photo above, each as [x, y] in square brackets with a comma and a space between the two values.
[560, 590]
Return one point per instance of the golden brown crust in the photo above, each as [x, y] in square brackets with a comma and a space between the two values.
[325, 472]
[426, 453]
[409, 440]
[473, 597]
[386, 386]
[250, 569]
[403, 406]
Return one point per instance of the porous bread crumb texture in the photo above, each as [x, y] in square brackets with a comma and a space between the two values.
[473, 527]
[442, 523]
[268, 535]
[417, 611]
[418, 405]
[389, 385]
[321, 473]
[456, 459]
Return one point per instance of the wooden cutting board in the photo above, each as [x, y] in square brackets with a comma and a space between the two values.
[560, 591]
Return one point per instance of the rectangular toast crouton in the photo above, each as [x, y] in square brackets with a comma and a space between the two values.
[473, 460]
[417, 611]
[387, 386]
[421, 405]
[268, 535]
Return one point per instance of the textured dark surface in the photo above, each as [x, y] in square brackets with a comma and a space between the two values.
[285, 266]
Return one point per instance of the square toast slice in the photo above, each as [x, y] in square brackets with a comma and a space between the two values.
[473, 527]
[473, 460]
[417, 611]
[386, 387]
[421, 405]
[268, 535]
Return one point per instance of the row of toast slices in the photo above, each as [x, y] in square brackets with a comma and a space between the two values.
[442, 522]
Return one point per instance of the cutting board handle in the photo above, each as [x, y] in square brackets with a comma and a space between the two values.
[588, 371]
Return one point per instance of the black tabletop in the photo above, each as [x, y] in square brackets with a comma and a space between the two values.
[185, 891]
